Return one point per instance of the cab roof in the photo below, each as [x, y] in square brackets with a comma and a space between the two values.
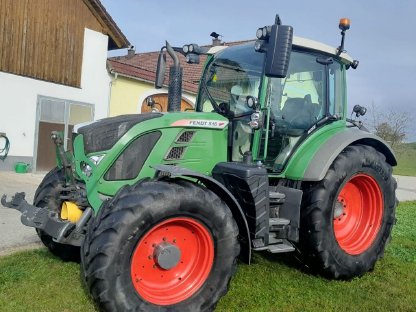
[298, 42]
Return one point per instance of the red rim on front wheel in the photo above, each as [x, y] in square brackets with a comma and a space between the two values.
[358, 213]
[172, 261]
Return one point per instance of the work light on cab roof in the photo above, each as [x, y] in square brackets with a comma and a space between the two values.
[344, 25]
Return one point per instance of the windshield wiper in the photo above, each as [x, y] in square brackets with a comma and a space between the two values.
[238, 69]
[212, 100]
[232, 67]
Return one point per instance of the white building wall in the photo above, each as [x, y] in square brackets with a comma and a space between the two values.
[95, 79]
[18, 95]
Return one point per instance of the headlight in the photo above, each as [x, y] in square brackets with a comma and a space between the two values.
[259, 33]
[86, 168]
[96, 159]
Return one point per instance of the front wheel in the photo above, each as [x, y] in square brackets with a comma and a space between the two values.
[48, 196]
[347, 218]
[160, 246]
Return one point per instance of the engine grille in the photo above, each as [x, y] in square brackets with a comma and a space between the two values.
[185, 137]
[175, 152]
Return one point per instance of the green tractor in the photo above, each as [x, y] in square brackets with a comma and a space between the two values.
[160, 206]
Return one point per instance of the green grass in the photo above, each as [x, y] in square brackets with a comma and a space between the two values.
[36, 281]
[406, 154]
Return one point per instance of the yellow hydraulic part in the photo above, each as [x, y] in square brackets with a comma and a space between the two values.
[70, 211]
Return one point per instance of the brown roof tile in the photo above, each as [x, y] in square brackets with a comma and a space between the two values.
[148, 75]
[143, 66]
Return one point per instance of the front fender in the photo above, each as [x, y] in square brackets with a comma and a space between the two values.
[223, 193]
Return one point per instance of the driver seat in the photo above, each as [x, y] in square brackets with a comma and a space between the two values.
[296, 116]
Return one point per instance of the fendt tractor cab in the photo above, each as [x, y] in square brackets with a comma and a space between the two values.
[162, 204]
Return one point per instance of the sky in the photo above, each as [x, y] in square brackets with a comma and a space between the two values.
[382, 36]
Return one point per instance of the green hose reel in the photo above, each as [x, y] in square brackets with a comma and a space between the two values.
[4, 146]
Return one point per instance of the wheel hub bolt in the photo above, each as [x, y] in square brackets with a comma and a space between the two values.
[339, 210]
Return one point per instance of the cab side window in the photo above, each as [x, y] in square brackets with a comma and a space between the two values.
[336, 92]
[298, 101]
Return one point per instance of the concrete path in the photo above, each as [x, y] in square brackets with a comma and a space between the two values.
[15, 236]
[406, 188]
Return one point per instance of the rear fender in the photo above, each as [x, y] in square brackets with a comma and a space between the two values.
[325, 156]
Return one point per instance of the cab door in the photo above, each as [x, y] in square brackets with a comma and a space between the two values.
[310, 91]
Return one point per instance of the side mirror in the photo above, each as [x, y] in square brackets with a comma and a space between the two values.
[278, 51]
[160, 71]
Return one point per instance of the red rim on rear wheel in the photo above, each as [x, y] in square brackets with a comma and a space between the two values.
[358, 213]
[172, 261]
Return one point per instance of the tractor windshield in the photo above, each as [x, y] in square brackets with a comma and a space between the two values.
[234, 74]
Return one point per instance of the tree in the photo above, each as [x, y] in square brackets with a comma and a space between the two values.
[390, 125]
[392, 135]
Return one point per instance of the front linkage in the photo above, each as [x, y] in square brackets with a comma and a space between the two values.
[70, 231]
[64, 232]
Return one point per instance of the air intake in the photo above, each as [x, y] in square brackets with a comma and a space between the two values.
[185, 137]
[175, 153]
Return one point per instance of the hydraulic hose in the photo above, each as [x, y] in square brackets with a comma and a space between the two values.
[5, 149]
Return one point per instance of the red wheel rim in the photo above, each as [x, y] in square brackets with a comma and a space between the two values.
[169, 286]
[358, 213]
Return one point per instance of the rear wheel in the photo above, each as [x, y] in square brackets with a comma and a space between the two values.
[347, 217]
[160, 246]
[48, 195]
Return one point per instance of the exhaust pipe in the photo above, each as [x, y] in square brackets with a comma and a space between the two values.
[175, 82]
[175, 78]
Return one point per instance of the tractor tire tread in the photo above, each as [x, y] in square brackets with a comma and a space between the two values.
[323, 255]
[104, 240]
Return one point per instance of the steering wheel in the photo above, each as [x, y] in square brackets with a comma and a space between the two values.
[224, 108]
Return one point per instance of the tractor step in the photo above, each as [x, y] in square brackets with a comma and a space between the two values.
[278, 222]
[276, 197]
[280, 248]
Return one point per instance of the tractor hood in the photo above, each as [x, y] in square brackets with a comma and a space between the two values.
[122, 150]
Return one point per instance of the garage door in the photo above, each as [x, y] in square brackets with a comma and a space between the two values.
[57, 115]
